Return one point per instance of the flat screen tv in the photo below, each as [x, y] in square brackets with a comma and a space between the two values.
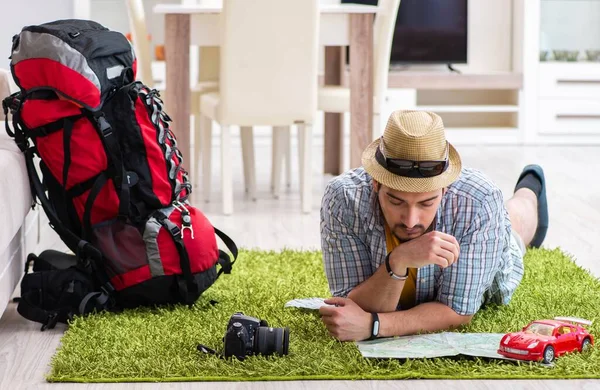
[428, 31]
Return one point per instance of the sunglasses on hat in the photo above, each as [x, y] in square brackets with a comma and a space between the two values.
[410, 168]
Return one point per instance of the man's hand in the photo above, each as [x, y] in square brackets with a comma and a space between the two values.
[431, 248]
[347, 321]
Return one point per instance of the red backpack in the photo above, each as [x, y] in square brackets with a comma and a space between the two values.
[114, 187]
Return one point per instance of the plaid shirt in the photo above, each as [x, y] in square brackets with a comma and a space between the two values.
[490, 265]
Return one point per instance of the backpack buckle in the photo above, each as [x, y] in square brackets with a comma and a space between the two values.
[175, 231]
[107, 289]
[50, 321]
[11, 103]
[104, 127]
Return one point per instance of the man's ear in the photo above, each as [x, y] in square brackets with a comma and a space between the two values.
[376, 185]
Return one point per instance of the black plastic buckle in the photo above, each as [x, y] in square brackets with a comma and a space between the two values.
[104, 126]
[50, 321]
[175, 231]
[12, 104]
[108, 289]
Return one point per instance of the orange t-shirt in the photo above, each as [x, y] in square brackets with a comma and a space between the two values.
[407, 298]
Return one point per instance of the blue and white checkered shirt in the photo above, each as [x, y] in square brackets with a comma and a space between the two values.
[490, 264]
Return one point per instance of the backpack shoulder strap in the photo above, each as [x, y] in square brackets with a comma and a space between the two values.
[73, 242]
[224, 259]
[116, 167]
[89, 257]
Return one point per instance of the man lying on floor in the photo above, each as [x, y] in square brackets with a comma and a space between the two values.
[412, 242]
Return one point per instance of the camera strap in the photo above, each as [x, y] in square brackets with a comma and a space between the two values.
[209, 351]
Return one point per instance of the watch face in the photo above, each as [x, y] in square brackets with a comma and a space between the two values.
[375, 328]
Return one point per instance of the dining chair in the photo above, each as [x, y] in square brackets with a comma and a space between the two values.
[206, 82]
[336, 99]
[268, 77]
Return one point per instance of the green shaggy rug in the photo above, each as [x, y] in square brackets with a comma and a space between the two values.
[160, 344]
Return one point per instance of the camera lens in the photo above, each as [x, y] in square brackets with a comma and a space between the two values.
[272, 340]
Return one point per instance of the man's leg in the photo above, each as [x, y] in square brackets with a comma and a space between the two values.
[522, 210]
[528, 208]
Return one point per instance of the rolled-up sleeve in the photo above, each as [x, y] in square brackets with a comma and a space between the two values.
[464, 284]
[346, 257]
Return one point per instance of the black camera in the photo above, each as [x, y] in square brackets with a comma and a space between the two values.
[246, 336]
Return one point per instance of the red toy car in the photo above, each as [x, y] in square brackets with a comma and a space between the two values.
[543, 340]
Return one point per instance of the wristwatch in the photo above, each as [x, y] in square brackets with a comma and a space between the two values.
[389, 269]
[374, 327]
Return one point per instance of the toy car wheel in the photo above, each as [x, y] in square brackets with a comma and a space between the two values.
[548, 354]
[585, 344]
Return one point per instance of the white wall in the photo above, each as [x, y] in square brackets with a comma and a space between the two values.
[18, 14]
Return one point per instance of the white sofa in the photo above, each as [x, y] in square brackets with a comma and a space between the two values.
[18, 223]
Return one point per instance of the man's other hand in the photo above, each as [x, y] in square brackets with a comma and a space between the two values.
[346, 321]
[431, 248]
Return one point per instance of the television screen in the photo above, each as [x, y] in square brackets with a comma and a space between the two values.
[428, 31]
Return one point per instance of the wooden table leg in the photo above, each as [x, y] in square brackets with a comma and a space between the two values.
[177, 62]
[361, 85]
[333, 152]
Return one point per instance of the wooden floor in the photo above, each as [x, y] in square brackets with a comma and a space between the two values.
[574, 195]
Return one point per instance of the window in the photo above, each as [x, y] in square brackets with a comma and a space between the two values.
[564, 330]
[540, 328]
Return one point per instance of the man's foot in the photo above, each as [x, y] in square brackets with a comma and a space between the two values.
[533, 178]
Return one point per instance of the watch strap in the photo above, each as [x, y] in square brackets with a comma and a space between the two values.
[374, 326]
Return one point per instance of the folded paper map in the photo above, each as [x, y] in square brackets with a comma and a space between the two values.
[307, 303]
[433, 345]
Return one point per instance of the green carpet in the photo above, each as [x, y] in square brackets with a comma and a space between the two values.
[160, 344]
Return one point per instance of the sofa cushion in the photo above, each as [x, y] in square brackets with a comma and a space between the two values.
[15, 194]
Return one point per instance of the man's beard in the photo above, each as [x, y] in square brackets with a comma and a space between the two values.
[403, 226]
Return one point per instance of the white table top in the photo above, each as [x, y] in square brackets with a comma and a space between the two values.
[212, 9]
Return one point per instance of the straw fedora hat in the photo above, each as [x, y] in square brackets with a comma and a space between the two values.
[408, 156]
